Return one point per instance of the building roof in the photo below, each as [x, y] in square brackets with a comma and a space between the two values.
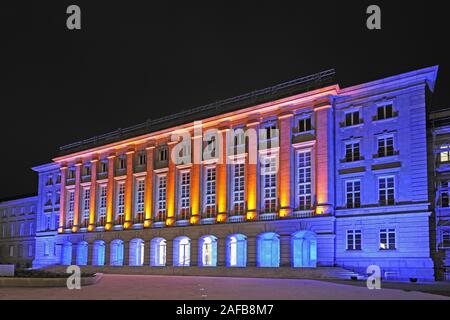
[24, 197]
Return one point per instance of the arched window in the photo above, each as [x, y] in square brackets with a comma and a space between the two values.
[208, 251]
[116, 252]
[66, 256]
[82, 253]
[304, 249]
[268, 250]
[181, 251]
[158, 252]
[98, 253]
[236, 250]
[136, 252]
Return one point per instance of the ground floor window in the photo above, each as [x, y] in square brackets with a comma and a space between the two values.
[82, 253]
[66, 254]
[208, 251]
[98, 254]
[268, 250]
[236, 250]
[136, 252]
[304, 249]
[158, 247]
[354, 240]
[116, 253]
[181, 251]
[387, 239]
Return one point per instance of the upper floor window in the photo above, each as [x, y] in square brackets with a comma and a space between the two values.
[120, 201]
[354, 240]
[385, 112]
[122, 163]
[185, 186]
[22, 229]
[304, 124]
[211, 146]
[140, 196]
[386, 191]
[269, 183]
[162, 154]
[103, 167]
[58, 178]
[49, 180]
[102, 204]
[304, 180]
[71, 173]
[352, 152]
[238, 188]
[239, 137]
[385, 146]
[444, 194]
[446, 238]
[161, 198]
[86, 204]
[48, 200]
[353, 193]
[142, 159]
[387, 239]
[71, 205]
[271, 131]
[352, 118]
[210, 192]
[444, 153]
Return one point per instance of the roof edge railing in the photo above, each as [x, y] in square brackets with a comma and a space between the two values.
[313, 79]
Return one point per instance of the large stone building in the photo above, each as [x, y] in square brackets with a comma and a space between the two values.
[18, 231]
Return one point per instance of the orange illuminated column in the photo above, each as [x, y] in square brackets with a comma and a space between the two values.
[149, 187]
[195, 178]
[171, 187]
[324, 158]
[110, 193]
[62, 200]
[285, 164]
[93, 194]
[129, 190]
[251, 170]
[222, 178]
[76, 207]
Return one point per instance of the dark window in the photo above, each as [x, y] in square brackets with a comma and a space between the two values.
[354, 240]
[385, 146]
[386, 190]
[385, 112]
[304, 125]
[352, 152]
[352, 118]
[387, 239]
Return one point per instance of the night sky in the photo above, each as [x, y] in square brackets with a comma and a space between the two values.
[131, 62]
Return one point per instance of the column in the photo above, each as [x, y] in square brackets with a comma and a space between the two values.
[222, 177]
[76, 211]
[62, 200]
[195, 178]
[93, 194]
[324, 159]
[129, 191]
[149, 187]
[110, 193]
[285, 172]
[251, 170]
[171, 186]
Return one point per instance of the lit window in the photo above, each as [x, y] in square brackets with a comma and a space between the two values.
[102, 205]
[444, 154]
[304, 180]
[385, 112]
[353, 239]
[352, 152]
[386, 191]
[120, 203]
[239, 188]
[352, 118]
[161, 200]
[387, 239]
[304, 125]
[86, 206]
[271, 132]
[353, 193]
[140, 196]
[185, 187]
[269, 180]
[385, 146]
[70, 209]
[210, 193]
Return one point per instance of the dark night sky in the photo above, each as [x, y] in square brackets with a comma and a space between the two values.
[131, 62]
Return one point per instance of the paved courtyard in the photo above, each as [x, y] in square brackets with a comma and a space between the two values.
[134, 287]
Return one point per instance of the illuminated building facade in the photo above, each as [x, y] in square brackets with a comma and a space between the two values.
[293, 176]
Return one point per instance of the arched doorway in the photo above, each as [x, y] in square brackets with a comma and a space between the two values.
[236, 250]
[304, 249]
[116, 257]
[82, 253]
[66, 254]
[137, 252]
[158, 247]
[98, 253]
[207, 251]
[268, 250]
[181, 251]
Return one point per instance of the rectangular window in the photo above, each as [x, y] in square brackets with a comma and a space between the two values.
[185, 192]
[12, 231]
[120, 203]
[387, 239]
[162, 154]
[385, 112]
[352, 118]
[46, 249]
[304, 125]
[269, 182]
[386, 191]
[140, 196]
[30, 250]
[304, 180]
[22, 229]
[271, 132]
[122, 163]
[162, 194]
[70, 209]
[354, 240]
[353, 194]
[444, 192]
[210, 192]
[239, 188]
[102, 205]
[385, 146]
[86, 206]
[142, 159]
[444, 154]
[31, 229]
[103, 167]
[446, 239]
[352, 152]
[11, 251]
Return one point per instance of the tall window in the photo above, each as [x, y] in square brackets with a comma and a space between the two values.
[304, 179]
[352, 118]
[86, 205]
[385, 112]
[386, 191]
[353, 193]
[446, 239]
[269, 172]
[140, 196]
[103, 167]
[387, 239]
[162, 154]
[210, 193]
[142, 159]
[162, 193]
[71, 208]
[304, 125]
[102, 205]
[353, 239]
[120, 203]
[352, 152]
[444, 154]
[238, 188]
[122, 163]
[385, 146]
[22, 229]
[444, 192]
[185, 190]
[271, 132]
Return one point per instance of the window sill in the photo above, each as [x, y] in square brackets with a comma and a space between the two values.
[299, 133]
[392, 158]
[391, 119]
[353, 126]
